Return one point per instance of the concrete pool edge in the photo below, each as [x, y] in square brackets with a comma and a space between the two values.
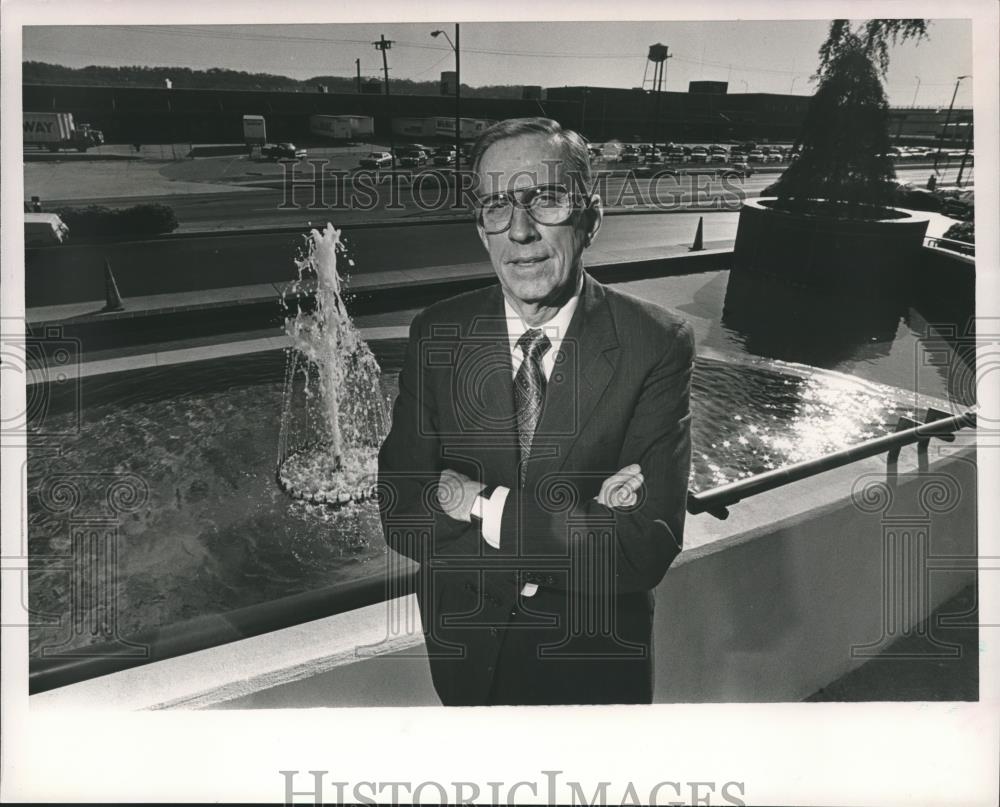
[734, 571]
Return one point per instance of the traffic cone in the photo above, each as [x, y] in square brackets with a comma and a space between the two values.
[697, 245]
[113, 300]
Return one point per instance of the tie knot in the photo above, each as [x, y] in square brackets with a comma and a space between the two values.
[534, 343]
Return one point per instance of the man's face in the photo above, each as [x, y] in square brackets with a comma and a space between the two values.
[536, 263]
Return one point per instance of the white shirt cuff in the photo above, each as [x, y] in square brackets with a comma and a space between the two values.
[492, 513]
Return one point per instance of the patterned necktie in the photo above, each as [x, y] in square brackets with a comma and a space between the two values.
[529, 390]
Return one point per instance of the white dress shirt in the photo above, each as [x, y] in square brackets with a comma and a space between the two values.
[491, 509]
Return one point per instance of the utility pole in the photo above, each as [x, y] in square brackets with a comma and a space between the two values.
[965, 156]
[357, 65]
[383, 45]
[458, 124]
[947, 122]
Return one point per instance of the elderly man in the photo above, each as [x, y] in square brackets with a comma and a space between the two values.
[539, 453]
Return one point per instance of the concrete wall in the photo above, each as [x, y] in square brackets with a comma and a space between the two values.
[850, 257]
[769, 606]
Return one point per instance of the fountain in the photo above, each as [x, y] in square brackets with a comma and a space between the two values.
[334, 420]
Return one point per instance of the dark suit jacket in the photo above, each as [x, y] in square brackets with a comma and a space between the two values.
[619, 394]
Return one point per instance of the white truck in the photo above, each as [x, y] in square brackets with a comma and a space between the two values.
[56, 130]
[254, 130]
[44, 229]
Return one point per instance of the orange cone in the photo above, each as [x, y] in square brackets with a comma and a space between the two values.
[112, 299]
[697, 245]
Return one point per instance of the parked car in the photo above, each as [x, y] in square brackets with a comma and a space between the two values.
[412, 158]
[773, 157]
[755, 156]
[699, 154]
[654, 156]
[736, 170]
[630, 154]
[377, 159]
[595, 150]
[676, 155]
[444, 156]
[282, 151]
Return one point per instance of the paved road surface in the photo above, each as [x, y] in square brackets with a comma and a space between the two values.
[268, 206]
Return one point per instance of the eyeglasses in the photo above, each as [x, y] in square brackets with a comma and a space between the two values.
[546, 204]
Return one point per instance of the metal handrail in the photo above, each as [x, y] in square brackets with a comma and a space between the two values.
[938, 424]
[963, 247]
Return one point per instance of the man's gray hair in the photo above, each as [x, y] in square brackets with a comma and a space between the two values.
[577, 158]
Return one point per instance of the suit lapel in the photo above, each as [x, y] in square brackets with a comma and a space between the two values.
[590, 353]
[485, 394]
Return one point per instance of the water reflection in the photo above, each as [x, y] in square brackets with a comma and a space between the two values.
[804, 325]
[216, 534]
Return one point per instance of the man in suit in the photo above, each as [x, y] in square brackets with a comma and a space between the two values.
[538, 459]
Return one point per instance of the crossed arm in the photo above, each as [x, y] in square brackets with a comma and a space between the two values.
[639, 510]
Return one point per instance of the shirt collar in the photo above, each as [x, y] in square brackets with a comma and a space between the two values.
[554, 328]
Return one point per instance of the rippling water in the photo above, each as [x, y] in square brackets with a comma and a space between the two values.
[211, 532]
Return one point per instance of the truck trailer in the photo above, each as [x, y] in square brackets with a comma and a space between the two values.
[342, 127]
[254, 130]
[56, 130]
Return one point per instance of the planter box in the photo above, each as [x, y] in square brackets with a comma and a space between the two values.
[846, 257]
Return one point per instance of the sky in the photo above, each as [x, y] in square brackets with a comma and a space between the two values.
[753, 56]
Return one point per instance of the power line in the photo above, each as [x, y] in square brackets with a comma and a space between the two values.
[167, 30]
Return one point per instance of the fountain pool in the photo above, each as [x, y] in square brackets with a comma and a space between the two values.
[215, 533]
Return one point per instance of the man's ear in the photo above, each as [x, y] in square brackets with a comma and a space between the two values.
[595, 217]
[482, 235]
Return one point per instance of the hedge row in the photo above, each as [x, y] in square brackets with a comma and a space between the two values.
[140, 220]
[962, 231]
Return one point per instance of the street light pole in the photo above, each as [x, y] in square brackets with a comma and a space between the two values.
[947, 122]
[458, 111]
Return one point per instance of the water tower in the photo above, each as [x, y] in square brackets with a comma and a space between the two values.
[658, 55]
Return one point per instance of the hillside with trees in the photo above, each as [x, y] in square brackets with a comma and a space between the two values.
[218, 78]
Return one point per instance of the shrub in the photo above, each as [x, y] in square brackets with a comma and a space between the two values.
[962, 231]
[129, 222]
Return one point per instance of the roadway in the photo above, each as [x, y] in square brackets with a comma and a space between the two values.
[270, 204]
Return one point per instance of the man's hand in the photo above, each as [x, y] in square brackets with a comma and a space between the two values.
[456, 493]
[621, 488]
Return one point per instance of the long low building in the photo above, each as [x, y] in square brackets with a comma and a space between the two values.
[706, 113]
[160, 115]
